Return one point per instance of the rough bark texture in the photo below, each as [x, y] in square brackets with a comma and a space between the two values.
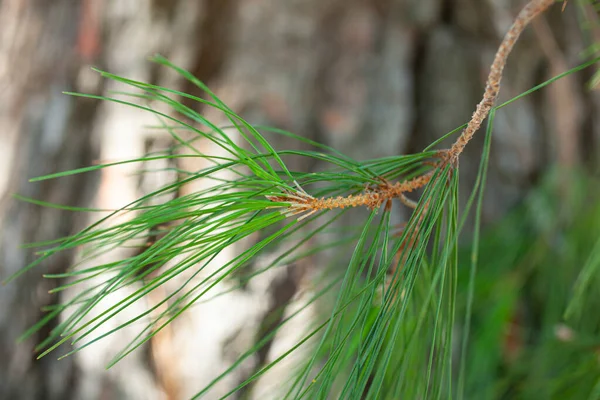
[370, 78]
[42, 131]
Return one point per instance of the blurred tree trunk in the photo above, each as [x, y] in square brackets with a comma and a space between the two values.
[42, 132]
[370, 78]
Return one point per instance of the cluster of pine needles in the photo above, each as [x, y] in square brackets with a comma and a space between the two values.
[389, 330]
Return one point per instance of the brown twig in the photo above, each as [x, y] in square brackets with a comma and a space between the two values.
[527, 14]
[373, 198]
[300, 202]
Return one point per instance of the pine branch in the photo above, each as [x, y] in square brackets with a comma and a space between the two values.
[301, 202]
[394, 304]
[492, 89]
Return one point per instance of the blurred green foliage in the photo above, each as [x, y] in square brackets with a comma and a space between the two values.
[534, 265]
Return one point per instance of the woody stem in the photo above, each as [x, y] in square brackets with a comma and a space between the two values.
[527, 14]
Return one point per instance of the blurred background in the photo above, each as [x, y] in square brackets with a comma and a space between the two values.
[371, 78]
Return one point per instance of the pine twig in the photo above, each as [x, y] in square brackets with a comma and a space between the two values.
[372, 198]
[527, 14]
[302, 203]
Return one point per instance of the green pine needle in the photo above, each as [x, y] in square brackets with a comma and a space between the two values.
[388, 326]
